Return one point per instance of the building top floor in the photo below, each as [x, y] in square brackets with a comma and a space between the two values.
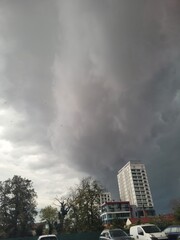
[133, 165]
[115, 206]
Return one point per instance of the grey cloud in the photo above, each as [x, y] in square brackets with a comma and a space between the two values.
[31, 30]
[97, 81]
[120, 61]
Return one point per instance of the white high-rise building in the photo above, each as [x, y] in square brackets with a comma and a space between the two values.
[105, 197]
[134, 187]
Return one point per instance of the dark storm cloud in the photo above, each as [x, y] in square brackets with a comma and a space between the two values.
[97, 80]
[117, 90]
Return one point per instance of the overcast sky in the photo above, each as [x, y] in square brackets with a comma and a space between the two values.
[86, 86]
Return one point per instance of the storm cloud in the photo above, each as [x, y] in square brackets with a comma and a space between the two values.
[91, 85]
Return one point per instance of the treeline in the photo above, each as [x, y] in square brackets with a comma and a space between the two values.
[78, 212]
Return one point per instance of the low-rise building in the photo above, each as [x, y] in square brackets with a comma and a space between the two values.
[111, 211]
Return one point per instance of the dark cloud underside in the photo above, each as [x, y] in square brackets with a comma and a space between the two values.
[93, 84]
[120, 100]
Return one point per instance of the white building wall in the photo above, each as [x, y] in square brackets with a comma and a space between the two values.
[105, 197]
[134, 186]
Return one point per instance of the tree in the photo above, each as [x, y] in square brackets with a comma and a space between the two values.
[118, 223]
[176, 209]
[63, 211]
[84, 203]
[17, 206]
[49, 214]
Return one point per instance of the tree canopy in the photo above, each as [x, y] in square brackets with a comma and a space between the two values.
[83, 203]
[176, 209]
[17, 206]
[50, 214]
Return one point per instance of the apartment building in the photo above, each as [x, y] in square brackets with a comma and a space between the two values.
[111, 211]
[105, 197]
[134, 187]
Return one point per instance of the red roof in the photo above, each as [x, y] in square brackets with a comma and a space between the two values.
[142, 219]
[166, 217]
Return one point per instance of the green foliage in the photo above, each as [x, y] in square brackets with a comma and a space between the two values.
[17, 206]
[176, 210]
[161, 221]
[84, 206]
[49, 214]
[39, 229]
[118, 223]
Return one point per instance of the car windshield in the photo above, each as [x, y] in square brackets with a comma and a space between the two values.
[117, 233]
[49, 238]
[151, 229]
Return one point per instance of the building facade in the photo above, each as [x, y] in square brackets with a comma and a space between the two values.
[111, 211]
[105, 197]
[134, 187]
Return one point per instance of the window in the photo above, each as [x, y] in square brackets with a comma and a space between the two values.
[107, 235]
[167, 230]
[48, 238]
[175, 229]
[117, 233]
[140, 231]
[151, 229]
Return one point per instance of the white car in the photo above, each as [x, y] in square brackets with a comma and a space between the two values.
[114, 234]
[147, 232]
[47, 237]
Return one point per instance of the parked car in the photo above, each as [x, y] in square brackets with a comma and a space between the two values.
[173, 232]
[147, 232]
[47, 237]
[114, 234]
